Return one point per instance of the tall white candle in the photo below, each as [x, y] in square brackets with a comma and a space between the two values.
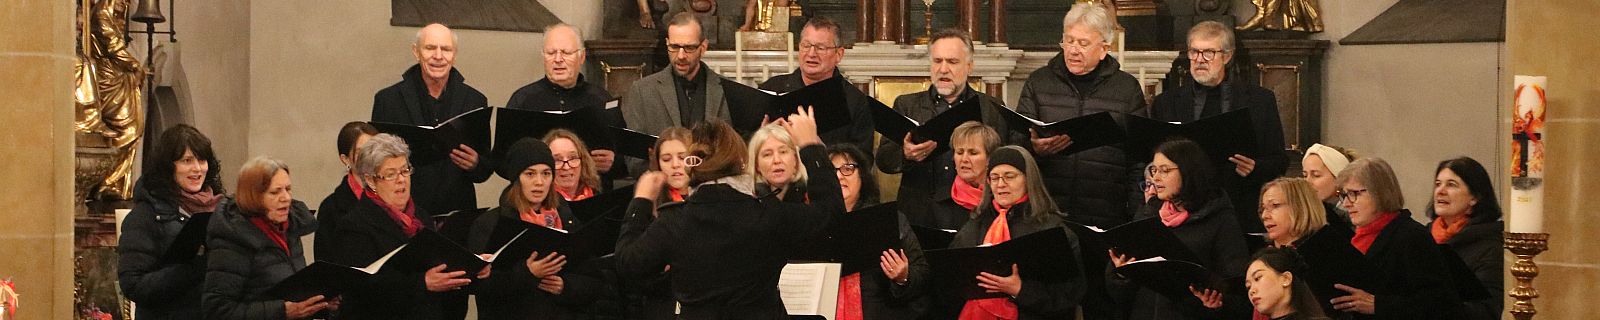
[1528, 155]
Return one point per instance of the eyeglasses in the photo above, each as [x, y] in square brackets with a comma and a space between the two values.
[562, 53]
[572, 162]
[1206, 55]
[1081, 44]
[807, 46]
[1009, 178]
[848, 169]
[394, 175]
[682, 48]
[1350, 195]
[1158, 171]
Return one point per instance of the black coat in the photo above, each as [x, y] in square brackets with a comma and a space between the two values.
[924, 183]
[858, 133]
[242, 263]
[1412, 280]
[438, 186]
[1091, 186]
[1480, 244]
[513, 293]
[363, 235]
[725, 246]
[1214, 237]
[1180, 106]
[1038, 299]
[162, 290]
[1322, 252]
[881, 298]
[330, 211]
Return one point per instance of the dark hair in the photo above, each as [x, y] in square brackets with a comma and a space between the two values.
[868, 195]
[952, 33]
[1199, 181]
[351, 132]
[1478, 183]
[1305, 303]
[159, 167]
[709, 137]
[826, 24]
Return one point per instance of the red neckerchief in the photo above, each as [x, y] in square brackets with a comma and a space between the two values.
[1443, 230]
[994, 308]
[274, 231]
[549, 218]
[1173, 215]
[407, 218]
[1366, 235]
[586, 193]
[355, 185]
[676, 196]
[849, 298]
[965, 194]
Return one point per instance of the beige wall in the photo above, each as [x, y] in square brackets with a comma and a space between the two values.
[36, 53]
[1556, 38]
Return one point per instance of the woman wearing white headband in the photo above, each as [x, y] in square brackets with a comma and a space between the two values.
[1321, 166]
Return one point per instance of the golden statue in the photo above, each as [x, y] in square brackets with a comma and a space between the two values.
[1285, 15]
[110, 101]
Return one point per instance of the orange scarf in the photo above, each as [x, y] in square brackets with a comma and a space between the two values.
[994, 308]
[549, 218]
[965, 194]
[1366, 235]
[585, 193]
[1173, 215]
[676, 195]
[1443, 231]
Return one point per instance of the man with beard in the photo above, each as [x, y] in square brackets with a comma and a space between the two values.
[1210, 92]
[681, 96]
[820, 54]
[564, 89]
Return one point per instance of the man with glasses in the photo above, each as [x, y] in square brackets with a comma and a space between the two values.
[1210, 91]
[820, 53]
[1092, 186]
[686, 94]
[563, 89]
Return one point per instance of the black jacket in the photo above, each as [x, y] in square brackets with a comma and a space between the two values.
[1214, 237]
[1412, 280]
[1322, 252]
[726, 247]
[363, 235]
[331, 210]
[242, 263]
[439, 186]
[513, 293]
[163, 291]
[1038, 299]
[923, 183]
[858, 133]
[1092, 186]
[1480, 245]
[1180, 106]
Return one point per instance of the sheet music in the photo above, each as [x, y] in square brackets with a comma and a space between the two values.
[810, 288]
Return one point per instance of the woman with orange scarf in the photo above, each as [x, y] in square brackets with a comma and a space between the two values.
[1466, 217]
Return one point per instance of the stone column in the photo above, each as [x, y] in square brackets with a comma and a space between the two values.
[967, 15]
[36, 52]
[997, 23]
[884, 27]
[863, 21]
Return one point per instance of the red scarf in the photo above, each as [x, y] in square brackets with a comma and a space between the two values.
[965, 194]
[586, 193]
[355, 185]
[676, 196]
[994, 308]
[1173, 215]
[274, 231]
[1366, 235]
[407, 218]
[849, 298]
[1443, 230]
[549, 218]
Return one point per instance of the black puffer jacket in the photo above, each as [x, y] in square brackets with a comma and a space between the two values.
[162, 290]
[242, 263]
[1213, 235]
[1479, 244]
[1092, 186]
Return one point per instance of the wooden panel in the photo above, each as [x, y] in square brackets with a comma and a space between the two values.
[502, 15]
[1284, 82]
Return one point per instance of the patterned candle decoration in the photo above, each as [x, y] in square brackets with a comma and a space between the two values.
[1527, 155]
[8, 299]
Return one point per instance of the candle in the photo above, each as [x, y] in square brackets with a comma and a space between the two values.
[1527, 155]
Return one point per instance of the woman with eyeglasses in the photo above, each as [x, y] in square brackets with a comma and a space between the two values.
[576, 176]
[1295, 219]
[1184, 194]
[895, 289]
[1411, 281]
[1466, 217]
[1321, 166]
[386, 218]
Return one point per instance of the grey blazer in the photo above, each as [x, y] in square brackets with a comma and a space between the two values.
[651, 104]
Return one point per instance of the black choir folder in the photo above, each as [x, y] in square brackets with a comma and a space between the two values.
[747, 106]
[634, 143]
[1221, 136]
[895, 126]
[589, 123]
[1087, 131]
[856, 239]
[1040, 255]
[424, 251]
[933, 238]
[186, 245]
[433, 143]
[609, 205]
[517, 240]
[1172, 278]
[457, 224]
[1142, 239]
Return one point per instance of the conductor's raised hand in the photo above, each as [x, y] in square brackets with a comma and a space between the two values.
[649, 185]
[802, 127]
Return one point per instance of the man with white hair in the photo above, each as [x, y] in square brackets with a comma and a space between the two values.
[563, 88]
[1209, 92]
[1091, 185]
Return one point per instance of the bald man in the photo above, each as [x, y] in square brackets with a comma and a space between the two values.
[563, 88]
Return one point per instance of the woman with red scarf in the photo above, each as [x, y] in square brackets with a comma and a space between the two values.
[253, 243]
[1185, 194]
[895, 289]
[1412, 281]
[385, 219]
[1016, 205]
[349, 190]
[970, 145]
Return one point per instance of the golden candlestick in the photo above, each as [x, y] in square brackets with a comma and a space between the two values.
[1525, 246]
[927, 23]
